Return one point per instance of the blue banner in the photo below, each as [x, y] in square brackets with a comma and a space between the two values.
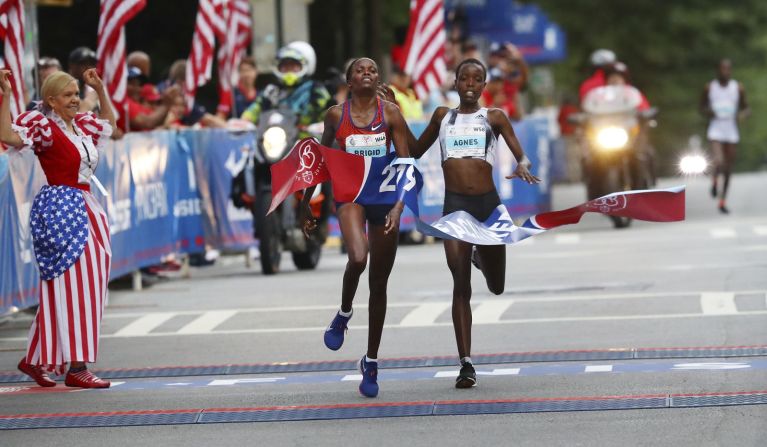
[526, 26]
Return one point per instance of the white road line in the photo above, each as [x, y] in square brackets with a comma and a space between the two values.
[723, 233]
[500, 372]
[567, 238]
[522, 297]
[490, 311]
[425, 314]
[718, 303]
[353, 377]
[598, 368]
[145, 324]
[206, 322]
[449, 324]
[760, 230]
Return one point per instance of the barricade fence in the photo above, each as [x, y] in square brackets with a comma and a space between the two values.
[168, 192]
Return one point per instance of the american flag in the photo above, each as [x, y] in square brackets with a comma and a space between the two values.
[424, 53]
[237, 40]
[12, 33]
[209, 26]
[113, 16]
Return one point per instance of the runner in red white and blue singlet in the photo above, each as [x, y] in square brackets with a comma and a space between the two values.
[373, 140]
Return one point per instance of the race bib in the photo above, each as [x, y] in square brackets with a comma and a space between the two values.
[465, 141]
[723, 109]
[369, 145]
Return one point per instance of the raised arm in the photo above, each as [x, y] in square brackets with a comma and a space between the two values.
[93, 80]
[429, 135]
[501, 125]
[7, 135]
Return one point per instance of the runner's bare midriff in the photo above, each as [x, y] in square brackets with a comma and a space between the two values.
[468, 176]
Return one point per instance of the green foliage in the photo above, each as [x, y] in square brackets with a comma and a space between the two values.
[672, 48]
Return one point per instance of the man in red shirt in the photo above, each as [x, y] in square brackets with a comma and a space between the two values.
[601, 60]
[141, 117]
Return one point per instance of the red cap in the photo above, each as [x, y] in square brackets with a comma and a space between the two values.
[149, 93]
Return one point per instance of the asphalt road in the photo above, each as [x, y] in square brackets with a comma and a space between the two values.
[585, 289]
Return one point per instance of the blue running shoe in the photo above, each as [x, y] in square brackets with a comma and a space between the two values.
[334, 334]
[369, 384]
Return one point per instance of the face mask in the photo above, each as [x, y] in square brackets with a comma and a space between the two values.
[290, 79]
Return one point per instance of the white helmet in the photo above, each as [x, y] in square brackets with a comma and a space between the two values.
[309, 54]
[602, 57]
[291, 79]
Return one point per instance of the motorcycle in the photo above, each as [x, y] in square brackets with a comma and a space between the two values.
[613, 132]
[276, 134]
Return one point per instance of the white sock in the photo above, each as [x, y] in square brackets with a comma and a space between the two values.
[345, 314]
[465, 360]
[368, 359]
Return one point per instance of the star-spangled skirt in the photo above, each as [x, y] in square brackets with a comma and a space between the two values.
[68, 322]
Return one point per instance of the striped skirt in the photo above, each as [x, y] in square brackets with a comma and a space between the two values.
[68, 322]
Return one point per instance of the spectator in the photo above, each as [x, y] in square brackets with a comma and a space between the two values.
[244, 92]
[140, 60]
[46, 66]
[408, 102]
[141, 117]
[81, 59]
[197, 114]
[507, 78]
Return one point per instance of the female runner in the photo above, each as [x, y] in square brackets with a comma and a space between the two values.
[468, 137]
[364, 125]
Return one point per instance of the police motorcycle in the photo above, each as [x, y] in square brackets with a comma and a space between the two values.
[613, 135]
[277, 132]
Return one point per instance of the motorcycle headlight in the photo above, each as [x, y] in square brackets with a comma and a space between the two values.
[693, 164]
[275, 141]
[612, 138]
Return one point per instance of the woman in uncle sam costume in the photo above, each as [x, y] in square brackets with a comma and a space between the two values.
[69, 228]
[365, 125]
[468, 138]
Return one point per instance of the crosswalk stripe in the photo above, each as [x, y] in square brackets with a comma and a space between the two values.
[760, 230]
[206, 322]
[723, 233]
[490, 311]
[598, 368]
[425, 314]
[718, 303]
[145, 324]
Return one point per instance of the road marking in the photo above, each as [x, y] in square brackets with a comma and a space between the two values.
[206, 322]
[709, 366]
[598, 368]
[723, 233]
[718, 303]
[351, 378]
[567, 238]
[500, 372]
[490, 311]
[760, 230]
[522, 297]
[425, 314]
[229, 382]
[145, 324]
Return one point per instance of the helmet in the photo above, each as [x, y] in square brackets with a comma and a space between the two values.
[309, 54]
[290, 79]
[602, 57]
